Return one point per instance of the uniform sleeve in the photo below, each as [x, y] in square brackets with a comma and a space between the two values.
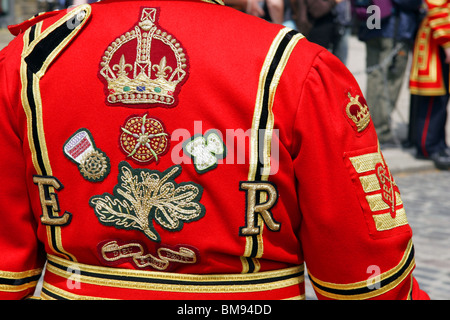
[355, 236]
[439, 21]
[20, 262]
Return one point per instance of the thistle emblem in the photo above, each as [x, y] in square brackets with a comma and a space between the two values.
[144, 196]
[122, 67]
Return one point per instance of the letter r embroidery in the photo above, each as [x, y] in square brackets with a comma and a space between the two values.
[254, 207]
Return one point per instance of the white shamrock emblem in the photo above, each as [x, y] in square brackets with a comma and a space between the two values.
[206, 150]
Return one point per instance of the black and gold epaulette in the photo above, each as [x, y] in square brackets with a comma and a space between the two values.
[17, 29]
[41, 47]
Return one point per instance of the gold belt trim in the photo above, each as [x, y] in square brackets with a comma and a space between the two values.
[50, 292]
[176, 282]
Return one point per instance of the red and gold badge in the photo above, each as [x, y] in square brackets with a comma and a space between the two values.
[144, 139]
[357, 112]
[145, 66]
[378, 193]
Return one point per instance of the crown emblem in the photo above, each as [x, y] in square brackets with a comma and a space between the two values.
[145, 65]
[358, 112]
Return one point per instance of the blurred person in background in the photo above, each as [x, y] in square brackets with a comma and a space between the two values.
[342, 31]
[388, 32]
[429, 85]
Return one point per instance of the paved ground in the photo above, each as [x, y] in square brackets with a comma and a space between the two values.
[425, 192]
[427, 203]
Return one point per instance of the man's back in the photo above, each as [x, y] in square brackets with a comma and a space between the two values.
[184, 150]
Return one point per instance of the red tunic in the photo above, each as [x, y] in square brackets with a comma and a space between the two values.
[185, 150]
[427, 78]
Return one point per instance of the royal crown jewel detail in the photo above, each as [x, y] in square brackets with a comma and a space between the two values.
[145, 65]
[358, 112]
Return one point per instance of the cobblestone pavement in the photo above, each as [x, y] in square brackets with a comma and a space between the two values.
[426, 197]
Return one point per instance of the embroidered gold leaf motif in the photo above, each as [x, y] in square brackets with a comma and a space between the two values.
[144, 195]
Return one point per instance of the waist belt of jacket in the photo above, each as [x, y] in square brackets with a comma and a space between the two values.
[65, 279]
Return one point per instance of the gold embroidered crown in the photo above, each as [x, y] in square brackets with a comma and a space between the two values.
[145, 65]
[358, 112]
